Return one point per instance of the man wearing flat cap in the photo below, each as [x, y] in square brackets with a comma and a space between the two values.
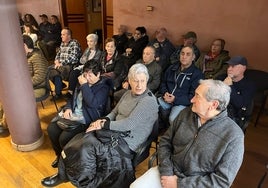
[242, 91]
[189, 39]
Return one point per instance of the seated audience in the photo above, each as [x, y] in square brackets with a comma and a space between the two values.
[178, 85]
[55, 31]
[87, 104]
[164, 48]
[50, 34]
[154, 70]
[37, 65]
[30, 19]
[203, 148]
[112, 64]
[242, 91]
[121, 39]
[135, 113]
[44, 28]
[28, 30]
[135, 46]
[213, 64]
[91, 52]
[189, 39]
[67, 57]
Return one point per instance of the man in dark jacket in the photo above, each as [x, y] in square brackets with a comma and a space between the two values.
[203, 148]
[178, 85]
[243, 90]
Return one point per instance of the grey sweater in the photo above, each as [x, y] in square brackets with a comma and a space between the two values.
[136, 113]
[206, 157]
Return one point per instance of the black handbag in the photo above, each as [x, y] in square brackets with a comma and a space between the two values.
[68, 125]
[116, 140]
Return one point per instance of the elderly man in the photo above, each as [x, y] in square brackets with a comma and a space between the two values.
[204, 147]
[243, 90]
[154, 70]
[67, 57]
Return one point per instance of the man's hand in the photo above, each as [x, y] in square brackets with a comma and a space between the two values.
[169, 98]
[57, 64]
[169, 181]
[228, 80]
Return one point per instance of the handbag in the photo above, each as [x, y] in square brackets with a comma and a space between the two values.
[68, 125]
[116, 140]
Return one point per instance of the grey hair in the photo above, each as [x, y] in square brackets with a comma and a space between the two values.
[93, 36]
[138, 68]
[217, 90]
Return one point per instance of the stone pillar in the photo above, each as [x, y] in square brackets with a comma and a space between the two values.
[16, 90]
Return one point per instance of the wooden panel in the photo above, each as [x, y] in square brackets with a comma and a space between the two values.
[74, 13]
[79, 32]
[75, 6]
[109, 31]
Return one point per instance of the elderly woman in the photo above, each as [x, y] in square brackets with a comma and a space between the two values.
[91, 52]
[135, 113]
[112, 63]
[37, 64]
[213, 64]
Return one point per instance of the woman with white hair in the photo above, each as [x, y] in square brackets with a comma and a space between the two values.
[91, 52]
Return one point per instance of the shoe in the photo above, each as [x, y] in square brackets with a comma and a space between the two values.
[52, 181]
[67, 96]
[56, 97]
[55, 163]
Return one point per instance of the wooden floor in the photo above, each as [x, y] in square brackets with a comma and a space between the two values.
[26, 169]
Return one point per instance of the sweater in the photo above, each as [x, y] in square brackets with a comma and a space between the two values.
[135, 113]
[209, 156]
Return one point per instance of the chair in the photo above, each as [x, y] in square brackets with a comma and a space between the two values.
[144, 149]
[262, 178]
[47, 93]
[260, 80]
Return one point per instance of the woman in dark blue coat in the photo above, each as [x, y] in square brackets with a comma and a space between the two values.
[88, 104]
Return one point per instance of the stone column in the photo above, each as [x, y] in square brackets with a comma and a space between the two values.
[16, 90]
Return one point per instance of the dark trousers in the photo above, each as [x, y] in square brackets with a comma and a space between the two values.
[73, 79]
[59, 138]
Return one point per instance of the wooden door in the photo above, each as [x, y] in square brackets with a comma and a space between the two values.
[74, 17]
[108, 18]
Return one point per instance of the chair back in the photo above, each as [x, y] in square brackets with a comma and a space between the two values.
[48, 92]
[144, 149]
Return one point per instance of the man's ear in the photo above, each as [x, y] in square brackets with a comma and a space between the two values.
[214, 105]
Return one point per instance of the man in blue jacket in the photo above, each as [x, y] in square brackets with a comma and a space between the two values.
[178, 85]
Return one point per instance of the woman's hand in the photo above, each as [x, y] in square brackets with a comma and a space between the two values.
[96, 125]
[67, 114]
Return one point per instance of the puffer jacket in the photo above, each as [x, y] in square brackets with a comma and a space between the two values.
[182, 84]
[88, 163]
[209, 156]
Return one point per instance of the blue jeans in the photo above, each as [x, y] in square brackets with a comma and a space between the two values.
[174, 110]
